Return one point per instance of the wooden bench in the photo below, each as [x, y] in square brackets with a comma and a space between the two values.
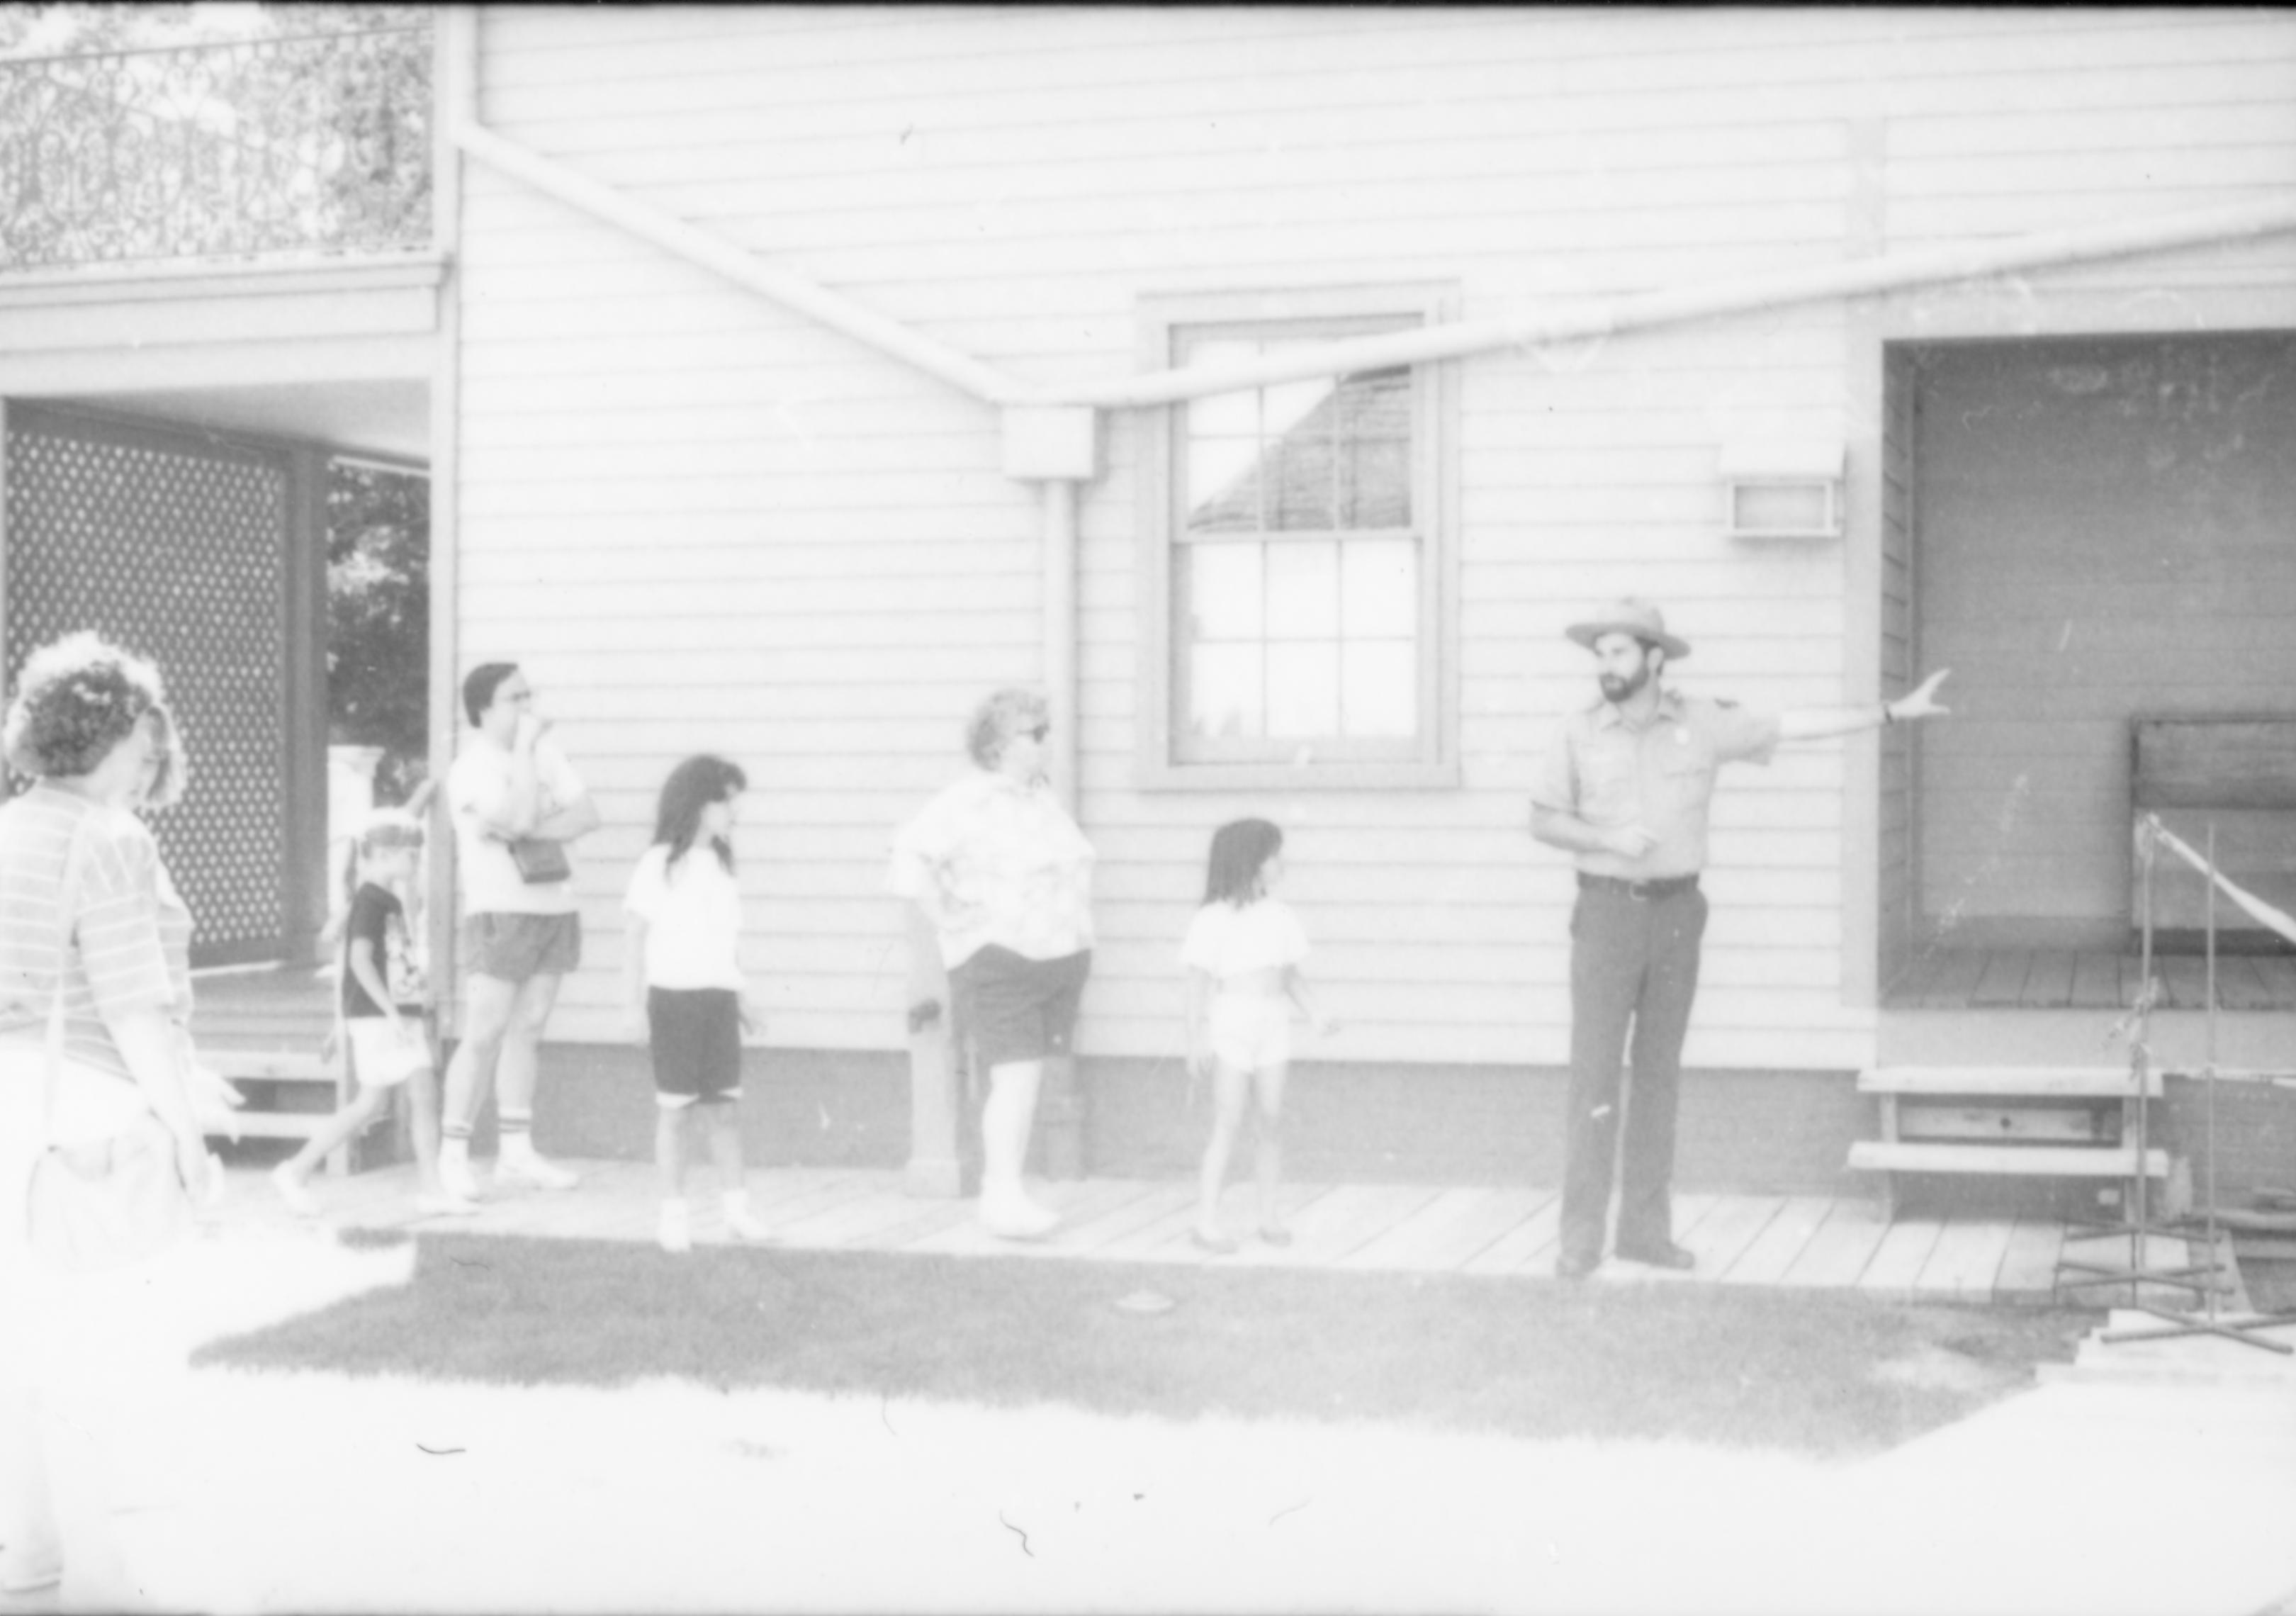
[2237, 774]
[2015, 1121]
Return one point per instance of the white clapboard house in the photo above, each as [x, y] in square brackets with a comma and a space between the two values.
[1272, 386]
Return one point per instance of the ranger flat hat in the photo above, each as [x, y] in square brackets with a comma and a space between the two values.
[1637, 618]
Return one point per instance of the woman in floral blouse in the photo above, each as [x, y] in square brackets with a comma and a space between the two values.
[1005, 878]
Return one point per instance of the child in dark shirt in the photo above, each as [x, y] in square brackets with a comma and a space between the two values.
[382, 1033]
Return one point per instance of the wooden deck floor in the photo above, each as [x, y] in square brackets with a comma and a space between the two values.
[1808, 1241]
[2049, 979]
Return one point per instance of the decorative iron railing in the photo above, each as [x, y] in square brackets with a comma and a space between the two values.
[317, 144]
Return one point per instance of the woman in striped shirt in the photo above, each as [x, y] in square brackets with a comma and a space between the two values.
[90, 725]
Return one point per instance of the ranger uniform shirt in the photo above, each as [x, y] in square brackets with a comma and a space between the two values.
[1660, 777]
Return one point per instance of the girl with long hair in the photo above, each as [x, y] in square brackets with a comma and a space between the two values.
[683, 987]
[1243, 954]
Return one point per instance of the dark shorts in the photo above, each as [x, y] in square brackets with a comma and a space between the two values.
[513, 947]
[1017, 1009]
[697, 1044]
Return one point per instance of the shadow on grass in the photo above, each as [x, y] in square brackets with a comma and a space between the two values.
[1805, 1371]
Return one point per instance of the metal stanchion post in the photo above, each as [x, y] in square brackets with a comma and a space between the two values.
[2210, 1320]
[2138, 1229]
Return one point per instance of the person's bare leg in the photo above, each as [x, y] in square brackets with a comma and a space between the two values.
[1006, 1119]
[488, 1002]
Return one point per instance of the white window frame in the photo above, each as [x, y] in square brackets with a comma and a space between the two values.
[1434, 757]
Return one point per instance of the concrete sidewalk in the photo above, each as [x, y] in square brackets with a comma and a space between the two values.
[2090, 1497]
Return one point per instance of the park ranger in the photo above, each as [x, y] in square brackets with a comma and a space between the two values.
[1624, 787]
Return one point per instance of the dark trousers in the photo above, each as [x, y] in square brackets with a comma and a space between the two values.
[1633, 961]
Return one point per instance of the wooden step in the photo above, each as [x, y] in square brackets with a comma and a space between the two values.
[2040, 1161]
[298, 1065]
[1941, 1119]
[2018, 1082]
[251, 1123]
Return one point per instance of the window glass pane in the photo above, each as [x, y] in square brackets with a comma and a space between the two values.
[1303, 590]
[1222, 582]
[1289, 405]
[1376, 403]
[1302, 635]
[1224, 415]
[1379, 687]
[1378, 588]
[1375, 487]
[1224, 690]
[1303, 690]
[1300, 472]
[1223, 485]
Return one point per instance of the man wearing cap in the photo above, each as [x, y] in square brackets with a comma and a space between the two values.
[1623, 786]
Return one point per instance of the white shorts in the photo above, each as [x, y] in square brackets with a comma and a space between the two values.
[1250, 1031]
[379, 1057]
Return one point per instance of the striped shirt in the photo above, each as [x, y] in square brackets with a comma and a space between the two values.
[131, 934]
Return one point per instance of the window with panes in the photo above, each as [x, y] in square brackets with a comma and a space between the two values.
[1299, 568]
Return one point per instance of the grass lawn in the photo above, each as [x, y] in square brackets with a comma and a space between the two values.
[1813, 1373]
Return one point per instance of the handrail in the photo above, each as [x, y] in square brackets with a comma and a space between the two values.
[1590, 317]
[236, 149]
[1602, 317]
[233, 43]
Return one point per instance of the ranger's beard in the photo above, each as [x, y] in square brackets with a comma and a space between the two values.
[1616, 690]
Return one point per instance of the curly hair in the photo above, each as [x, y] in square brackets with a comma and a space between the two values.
[998, 719]
[76, 700]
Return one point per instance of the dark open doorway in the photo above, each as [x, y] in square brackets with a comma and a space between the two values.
[2095, 533]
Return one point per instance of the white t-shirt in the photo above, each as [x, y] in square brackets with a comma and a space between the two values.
[477, 787]
[694, 920]
[1227, 942]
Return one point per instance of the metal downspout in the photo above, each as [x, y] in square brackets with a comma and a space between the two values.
[1060, 1100]
[1059, 564]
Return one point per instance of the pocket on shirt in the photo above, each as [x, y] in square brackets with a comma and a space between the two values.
[1688, 773]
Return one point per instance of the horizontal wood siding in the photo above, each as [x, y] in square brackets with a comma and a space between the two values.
[703, 522]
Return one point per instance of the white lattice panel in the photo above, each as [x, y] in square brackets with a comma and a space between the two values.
[173, 548]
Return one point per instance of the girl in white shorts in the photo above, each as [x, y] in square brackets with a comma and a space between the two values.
[383, 1029]
[1243, 954]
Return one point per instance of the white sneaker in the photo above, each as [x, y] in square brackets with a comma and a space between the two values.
[675, 1232]
[1011, 1215]
[454, 1179]
[291, 1190]
[444, 1205]
[531, 1169]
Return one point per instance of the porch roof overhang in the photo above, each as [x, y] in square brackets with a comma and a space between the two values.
[335, 352]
